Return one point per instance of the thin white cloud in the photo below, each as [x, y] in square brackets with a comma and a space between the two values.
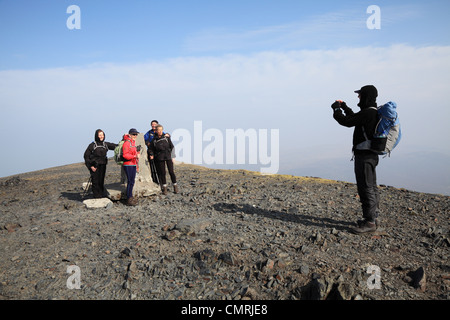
[290, 35]
[331, 29]
[290, 91]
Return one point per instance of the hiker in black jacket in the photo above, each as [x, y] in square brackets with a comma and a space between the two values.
[366, 161]
[161, 151]
[95, 160]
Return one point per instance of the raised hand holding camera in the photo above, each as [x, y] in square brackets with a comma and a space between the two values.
[336, 105]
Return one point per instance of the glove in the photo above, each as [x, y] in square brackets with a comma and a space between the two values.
[335, 105]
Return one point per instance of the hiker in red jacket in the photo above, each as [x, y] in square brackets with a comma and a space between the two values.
[131, 156]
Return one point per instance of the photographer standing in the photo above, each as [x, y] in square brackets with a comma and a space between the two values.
[366, 161]
[95, 160]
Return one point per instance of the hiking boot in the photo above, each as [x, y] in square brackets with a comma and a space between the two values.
[164, 190]
[175, 188]
[365, 227]
[361, 222]
[131, 201]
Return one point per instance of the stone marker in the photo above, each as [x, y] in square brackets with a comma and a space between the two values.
[98, 203]
[143, 184]
[115, 191]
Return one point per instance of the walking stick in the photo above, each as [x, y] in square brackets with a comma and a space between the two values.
[153, 168]
[87, 187]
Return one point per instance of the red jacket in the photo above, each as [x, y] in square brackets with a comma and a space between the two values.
[129, 151]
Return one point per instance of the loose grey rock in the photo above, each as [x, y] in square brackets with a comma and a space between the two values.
[189, 226]
[229, 234]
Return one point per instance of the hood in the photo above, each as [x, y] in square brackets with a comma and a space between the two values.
[126, 137]
[96, 138]
[367, 97]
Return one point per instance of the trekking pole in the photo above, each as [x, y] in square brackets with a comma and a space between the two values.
[152, 163]
[87, 187]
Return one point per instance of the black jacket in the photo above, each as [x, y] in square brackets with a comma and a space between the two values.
[161, 148]
[96, 151]
[364, 121]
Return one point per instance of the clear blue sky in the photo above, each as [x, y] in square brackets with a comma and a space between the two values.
[230, 64]
[34, 33]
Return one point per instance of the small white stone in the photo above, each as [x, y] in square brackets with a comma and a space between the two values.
[97, 203]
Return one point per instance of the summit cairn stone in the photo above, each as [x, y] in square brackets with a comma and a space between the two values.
[143, 185]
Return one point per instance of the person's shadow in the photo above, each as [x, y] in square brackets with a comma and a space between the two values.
[306, 220]
[77, 196]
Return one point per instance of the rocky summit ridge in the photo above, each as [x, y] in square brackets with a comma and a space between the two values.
[228, 235]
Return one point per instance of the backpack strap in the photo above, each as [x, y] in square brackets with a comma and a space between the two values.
[103, 145]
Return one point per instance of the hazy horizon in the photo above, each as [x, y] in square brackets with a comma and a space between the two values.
[341, 169]
[259, 66]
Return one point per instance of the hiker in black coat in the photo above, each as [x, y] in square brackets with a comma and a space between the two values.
[161, 151]
[366, 161]
[95, 160]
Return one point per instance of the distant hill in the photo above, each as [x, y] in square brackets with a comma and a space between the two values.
[423, 172]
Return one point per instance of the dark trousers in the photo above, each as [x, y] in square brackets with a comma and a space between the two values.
[161, 168]
[98, 181]
[366, 181]
[130, 172]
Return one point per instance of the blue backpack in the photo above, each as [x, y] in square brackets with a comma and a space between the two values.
[388, 131]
